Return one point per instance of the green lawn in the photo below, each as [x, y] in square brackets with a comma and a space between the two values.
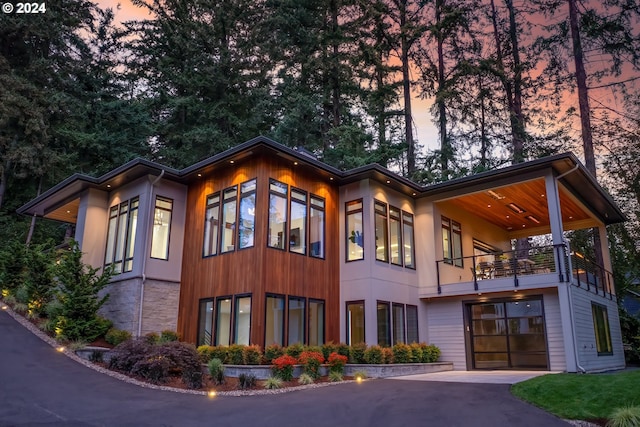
[576, 396]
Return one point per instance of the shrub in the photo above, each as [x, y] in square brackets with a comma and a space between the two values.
[311, 361]
[282, 367]
[416, 352]
[336, 362]
[387, 355]
[235, 354]
[115, 336]
[294, 350]
[220, 352]
[184, 360]
[272, 351]
[401, 353]
[168, 336]
[356, 353]
[625, 417]
[315, 348]
[205, 353]
[152, 338]
[246, 381]
[335, 376]
[430, 353]
[252, 355]
[305, 379]
[343, 349]
[216, 370]
[154, 368]
[127, 354]
[273, 383]
[39, 284]
[329, 348]
[374, 355]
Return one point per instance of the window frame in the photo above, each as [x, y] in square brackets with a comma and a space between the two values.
[234, 231]
[168, 244]
[283, 299]
[214, 206]
[236, 298]
[387, 337]
[303, 318]
[417, 323]
[398, 220]
[598, 310]
[448, 224]
[382, 215]
[404, 216]
[323, 209]
[305, 233]
[285, 196]
[230, 323]
[201, 318]
[348, 214]
[122, 227]
[241, 196]
[364, 320]
[403, 325]
[324, 323]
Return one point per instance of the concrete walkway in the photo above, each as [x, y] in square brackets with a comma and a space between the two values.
[478, 377]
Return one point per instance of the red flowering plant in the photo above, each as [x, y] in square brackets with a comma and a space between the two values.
[336, 362]
[282, 367]
[311, 360]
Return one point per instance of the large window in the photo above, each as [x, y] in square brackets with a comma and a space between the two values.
[223, 321]
[228, 232]
[355, 322]
[316, 322]
[161, 228]
[355, 236]
[412, 324]
[382, 245]
[398, 324]
[205, 322]
[274, 320]
[384, 324]
[296, 320]
[121, 236]
[242, 329]
[601, 328]
[451, 242]
[316, 227]
[211, 225]
[246, 221]
[277, 214]
[407, 233]
[395, 234]
[298, 225]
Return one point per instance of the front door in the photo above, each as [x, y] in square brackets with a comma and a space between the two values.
[507, 334]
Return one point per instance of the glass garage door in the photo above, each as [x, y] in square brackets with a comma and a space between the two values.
[508, 335]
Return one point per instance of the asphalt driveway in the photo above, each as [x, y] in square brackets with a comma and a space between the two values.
[41, 387]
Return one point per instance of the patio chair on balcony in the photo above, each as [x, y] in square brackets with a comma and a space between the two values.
[485, 270]
[498, 269]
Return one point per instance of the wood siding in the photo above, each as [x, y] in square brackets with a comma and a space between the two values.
[588, 357]
[258, 270]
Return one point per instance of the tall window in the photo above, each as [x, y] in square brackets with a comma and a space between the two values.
[601, 328]
[205, 322]
[407, 233]
[277, 214]
[274, 320]
[355, 236]
[121, 235]
[398, 324]
[223, 321]
[246, 222]
[298, 223]
[382, 253]
[228, 232]
[395, 234]
[161, 228]
[316, 322]
[384, 324]
[296, 320]
[211, 225]
[412, 324]
[242, 329]
[316, 227]
[452, 242]
[355, 322]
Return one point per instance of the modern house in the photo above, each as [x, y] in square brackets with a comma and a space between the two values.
[265, 244]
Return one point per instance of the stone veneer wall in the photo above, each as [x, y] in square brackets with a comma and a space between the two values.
[160, 308]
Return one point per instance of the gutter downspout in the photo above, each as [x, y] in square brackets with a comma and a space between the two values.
[573, 330]
[144, 258]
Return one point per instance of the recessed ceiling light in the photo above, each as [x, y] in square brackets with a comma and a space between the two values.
[388, 182]
[330, 178]
[232, 161]
[533, 219]
[108, 185]
[488, 206]
[199, 175]
[517, 209]
[495, 195]
[295, 163]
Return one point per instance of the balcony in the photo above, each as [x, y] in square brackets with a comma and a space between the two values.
[536, 267]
